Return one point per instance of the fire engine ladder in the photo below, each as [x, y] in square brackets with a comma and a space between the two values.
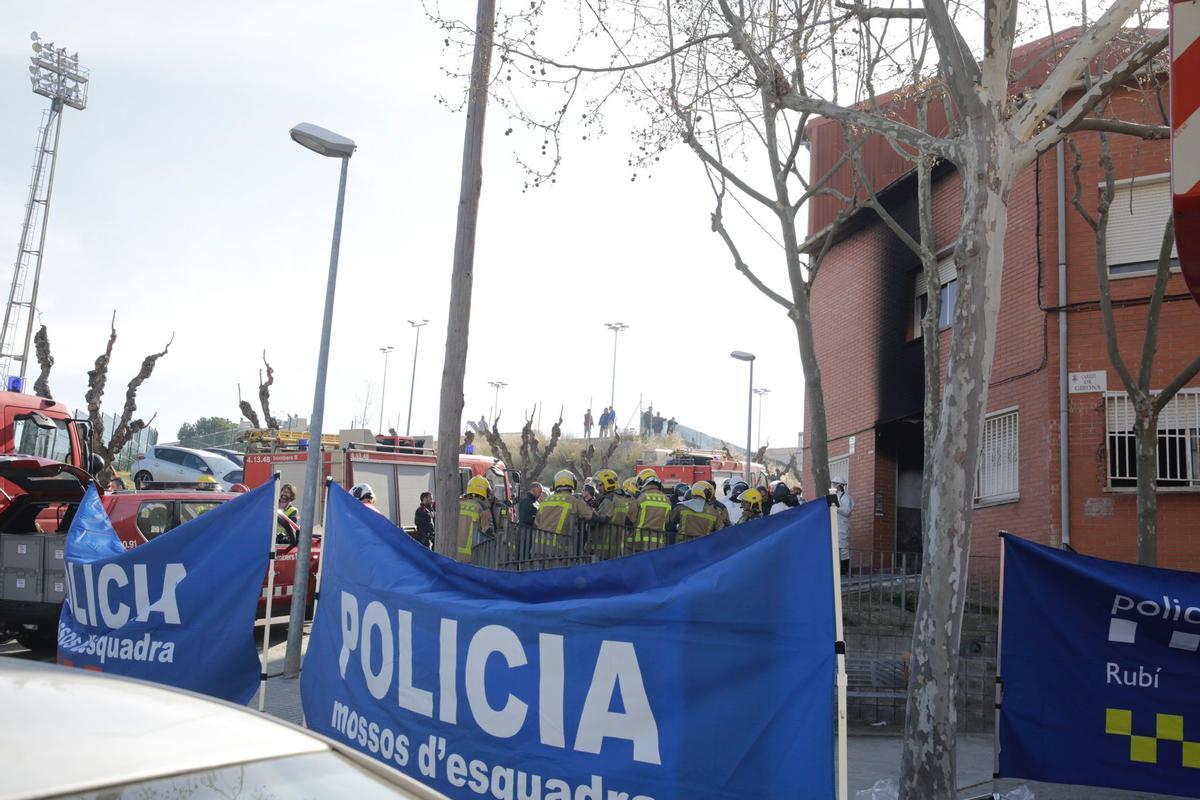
[22, 304]
[289, 439]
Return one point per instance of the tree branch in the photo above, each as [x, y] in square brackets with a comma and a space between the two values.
[866, 13]
[875, 123]
[674, 51]
[718, 227]
[1090, 44]
[1137, 129]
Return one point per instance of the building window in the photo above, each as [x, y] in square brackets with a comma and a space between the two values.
[1136, 221]
[948, 277]
[1178, 459]
[996, 476]
[839, 470]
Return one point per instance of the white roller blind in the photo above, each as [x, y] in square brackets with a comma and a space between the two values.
[1136, 221]
[946, 273]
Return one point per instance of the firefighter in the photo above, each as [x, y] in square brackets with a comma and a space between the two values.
[474, 517]
[752, 505]
[558, 511]
[648, 513]
[612, 510]
[287, 507]
[697, 516]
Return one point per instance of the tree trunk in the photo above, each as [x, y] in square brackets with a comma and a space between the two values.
[1146, 434]
[459, 317]
[930, 726]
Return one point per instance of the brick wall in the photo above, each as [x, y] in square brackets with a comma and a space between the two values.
[854, 300]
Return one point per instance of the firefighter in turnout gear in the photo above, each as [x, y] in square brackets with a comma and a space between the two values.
[607, 483]
[474, 517]
[648, 513]
[699, 515]
[612, 512]
[752, 505]
[558, 511]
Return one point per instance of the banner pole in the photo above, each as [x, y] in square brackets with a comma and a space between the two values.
[999, 679]
[839, 648]
[266, 645]
[324, 542]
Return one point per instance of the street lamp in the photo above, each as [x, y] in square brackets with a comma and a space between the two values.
[616, 328]
[761, 393]
[386, 350]
[332, 145]
[742, 355]
[417, 324]
[497, 385]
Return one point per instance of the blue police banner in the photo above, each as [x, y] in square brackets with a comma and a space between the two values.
[702, 670]
[1100, 672]
[178, 610]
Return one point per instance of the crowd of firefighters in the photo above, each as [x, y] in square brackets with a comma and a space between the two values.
[631, 516]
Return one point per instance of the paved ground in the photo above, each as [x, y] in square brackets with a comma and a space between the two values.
[871, 758]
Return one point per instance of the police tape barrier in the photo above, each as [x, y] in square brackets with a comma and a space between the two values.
[178, 610]
[1099, 670]
[703, 670]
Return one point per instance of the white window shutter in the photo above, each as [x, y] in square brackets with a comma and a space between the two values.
[1136, 221]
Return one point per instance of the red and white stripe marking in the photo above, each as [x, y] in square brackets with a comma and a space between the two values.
[1185, 97]
[1185, 137]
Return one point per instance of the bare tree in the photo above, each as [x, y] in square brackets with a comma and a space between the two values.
[126, 426]
[41, 349]
[745, 78]
[1147, 404]
[458, 322]
[613, 444]
[247, 410]
[264, 394]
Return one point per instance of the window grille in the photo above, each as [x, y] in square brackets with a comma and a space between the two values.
[997, 475]
[839, 470]
[1177, 457]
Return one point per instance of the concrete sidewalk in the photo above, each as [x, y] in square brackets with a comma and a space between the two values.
[875, 758]
[871, 758]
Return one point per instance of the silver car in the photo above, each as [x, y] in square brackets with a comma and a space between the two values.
[172, 464]
[84, 735]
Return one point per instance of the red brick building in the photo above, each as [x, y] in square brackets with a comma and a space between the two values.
[867, 301]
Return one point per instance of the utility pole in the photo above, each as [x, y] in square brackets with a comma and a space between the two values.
[387, 350]
[458, 321]
[761, 393]
[55, 75]
[412, 385]
[616, 328]
[497, 385]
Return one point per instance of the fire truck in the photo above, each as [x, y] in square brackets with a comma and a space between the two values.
[398, 469]
[689, 466]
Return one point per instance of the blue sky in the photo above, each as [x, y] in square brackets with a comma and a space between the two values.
[181, 204]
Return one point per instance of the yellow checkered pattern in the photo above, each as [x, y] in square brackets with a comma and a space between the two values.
[1144, 749]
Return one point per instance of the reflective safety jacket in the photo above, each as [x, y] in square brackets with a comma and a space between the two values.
[556, 512]
[649, 512]
[695, 518]
[474, 521]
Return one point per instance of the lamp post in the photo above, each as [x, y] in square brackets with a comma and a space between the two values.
[761, 393]
[742, 355]
[616, 328]
[329, 144]
[497, 385]
[417, 324]
[387, 350]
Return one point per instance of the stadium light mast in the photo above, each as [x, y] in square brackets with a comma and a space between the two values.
[56, 75]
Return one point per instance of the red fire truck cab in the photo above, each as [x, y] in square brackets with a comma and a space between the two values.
[689, 466]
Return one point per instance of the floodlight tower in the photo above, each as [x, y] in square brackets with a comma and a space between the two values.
[56, 75]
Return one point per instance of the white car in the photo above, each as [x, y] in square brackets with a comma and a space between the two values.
[88, 735]
[172, 464]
